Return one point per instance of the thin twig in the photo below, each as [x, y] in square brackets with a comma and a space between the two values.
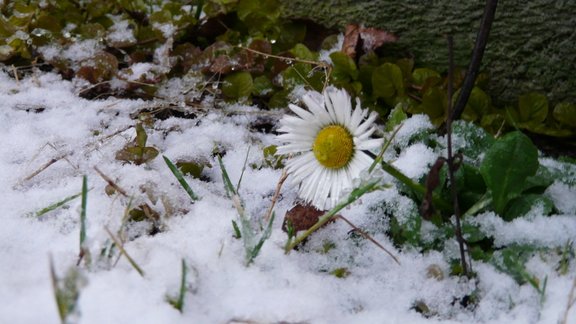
[369, 238]
[42, 168]
[283, 58]
[111, 182]
[477, 54]
[276, 195]
[450, 160]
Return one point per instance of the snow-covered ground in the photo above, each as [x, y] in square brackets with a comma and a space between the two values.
[50, 138]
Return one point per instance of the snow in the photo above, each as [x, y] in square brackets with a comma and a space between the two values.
[42, 119]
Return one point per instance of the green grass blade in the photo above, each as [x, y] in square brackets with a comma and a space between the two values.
[180, 302]
[83, 212]
[243, 169]
[230, 191]
[180, 179]
[256, 250]
[57, 205]
[237, 233]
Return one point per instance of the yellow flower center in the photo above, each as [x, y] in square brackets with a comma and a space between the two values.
[333, 147]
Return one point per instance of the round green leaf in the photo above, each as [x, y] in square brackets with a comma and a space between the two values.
[565, 114]
[238, 85]
[387, 81]
[532, 108]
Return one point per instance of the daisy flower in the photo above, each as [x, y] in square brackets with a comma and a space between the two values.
[326, 143]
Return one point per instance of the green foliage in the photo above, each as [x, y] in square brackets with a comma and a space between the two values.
[137, 152]
[246, 230]
[238, 85]
[501, 175]
[506, 166]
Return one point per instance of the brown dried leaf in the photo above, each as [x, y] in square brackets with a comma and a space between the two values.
[432, 182]
[359, 40]
[351, 39]
[301, 217]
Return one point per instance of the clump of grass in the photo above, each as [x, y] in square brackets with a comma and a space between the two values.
[245, 230]
[67, 292]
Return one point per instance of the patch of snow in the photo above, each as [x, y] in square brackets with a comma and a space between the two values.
[42, 120]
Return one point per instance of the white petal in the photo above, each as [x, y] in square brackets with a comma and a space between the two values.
[368, 144]
[366, 124]
[293, 148]
[306, 115]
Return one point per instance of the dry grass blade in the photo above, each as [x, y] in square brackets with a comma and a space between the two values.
[123, 251]
[274, 199]
[111, 182]
[570, 303]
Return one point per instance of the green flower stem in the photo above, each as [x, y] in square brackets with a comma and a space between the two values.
[352, 197]
[437, 201]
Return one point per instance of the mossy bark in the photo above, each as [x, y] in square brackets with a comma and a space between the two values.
[532, 44]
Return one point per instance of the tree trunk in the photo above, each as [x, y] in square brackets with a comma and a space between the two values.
[532, 44]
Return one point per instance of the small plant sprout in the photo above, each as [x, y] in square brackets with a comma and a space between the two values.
[180, 179]
[327, 144]
[245, 230]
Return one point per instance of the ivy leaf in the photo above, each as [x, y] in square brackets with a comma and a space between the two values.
[387, 81]
[238, 85]
[505, 167]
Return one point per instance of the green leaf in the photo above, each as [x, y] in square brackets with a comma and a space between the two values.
[532, 108]
[475, 140]
[434, 104]
[506, 166]
[425, 75]
[344, 70]
[396, 117]
[565, 114]
[387, 81]
[262, 86]
[302, 52]
[522, 205]
[478, 105]
[141, 136]
[238, 85]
